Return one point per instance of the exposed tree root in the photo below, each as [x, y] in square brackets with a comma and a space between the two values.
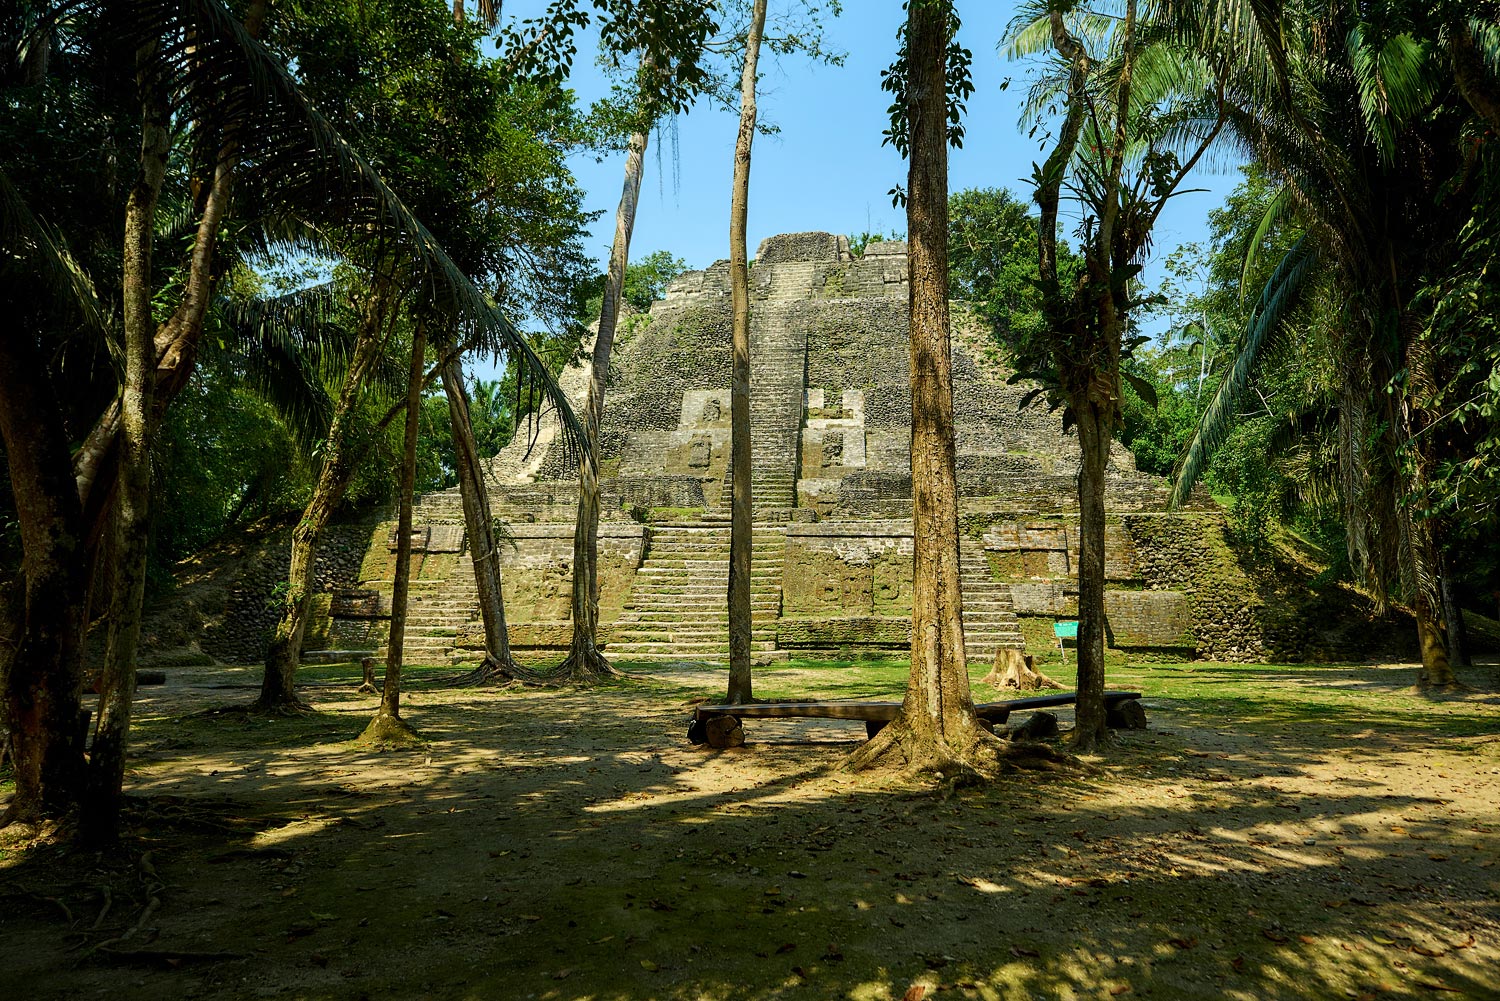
[1084, 742]
[1454, 687]
[980, 757]
[389, 733]
[499, 672]
[1016, 671]
[284, 708]
[584, 666]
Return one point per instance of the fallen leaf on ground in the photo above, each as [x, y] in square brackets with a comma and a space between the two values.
[916, 992]
[1119, 989]
[1273, 935]
[649, 966]
[1237, 964]
[1187, 943]
[1020, 950]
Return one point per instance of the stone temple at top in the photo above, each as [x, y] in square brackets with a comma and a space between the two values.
[831, 436]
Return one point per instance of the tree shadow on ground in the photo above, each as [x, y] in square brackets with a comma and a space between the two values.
[570, 845]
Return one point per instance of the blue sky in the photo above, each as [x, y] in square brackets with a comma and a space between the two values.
[827, 169]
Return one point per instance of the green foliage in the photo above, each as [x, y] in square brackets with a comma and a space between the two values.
[992, 262]
[858, 242]
[646, 280]
[493, 422]
[216, 480]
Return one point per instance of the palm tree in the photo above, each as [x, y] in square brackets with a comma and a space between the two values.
[1131, 99]
[195, 63]
[1368, 153]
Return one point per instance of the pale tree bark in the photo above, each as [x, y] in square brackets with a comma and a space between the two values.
[585, 661]
[387, 726]
[936, 728]
[499, 664]
[278, 691]
[106, 774]
[43, 671]
[741, 524]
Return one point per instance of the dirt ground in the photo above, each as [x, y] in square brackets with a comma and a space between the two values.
[1275, 833]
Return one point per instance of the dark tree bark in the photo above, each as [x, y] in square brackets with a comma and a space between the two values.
[936, 729]
[43, 672]
[278, 684]
[101, 806]
[499, 664]
[585, 661]
[741, 531]
[387, 726]
[1475, 82]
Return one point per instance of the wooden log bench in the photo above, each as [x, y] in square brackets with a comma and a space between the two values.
[1123, 712]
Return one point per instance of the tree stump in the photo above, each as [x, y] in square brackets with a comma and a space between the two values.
[368, 685]
[724, 731]
[1016, 671]
[1040, 726]
[1126, 716]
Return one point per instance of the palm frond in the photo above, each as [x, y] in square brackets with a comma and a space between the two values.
[1281, 294]
[294, 166]
[291, 344]
[1278, 208]
[37, 255]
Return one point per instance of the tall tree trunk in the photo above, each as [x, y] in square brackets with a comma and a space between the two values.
[101, 805]
[936, 727]
[387, 725]
[1428, 578]
[278, 684]
[1453, 618]
[741, 530]
[176, 340]
[498, 664]
[1094, 437]
[43, 673]
[585, 661]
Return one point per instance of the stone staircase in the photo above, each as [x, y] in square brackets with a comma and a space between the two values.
[989, 616]
[678, 607]
[778, 362]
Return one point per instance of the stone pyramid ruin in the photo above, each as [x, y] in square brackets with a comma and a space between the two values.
[830, 416]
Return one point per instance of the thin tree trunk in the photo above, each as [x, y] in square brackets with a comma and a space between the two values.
[388, 724]
[101, 805]
[1427, 566]
[1094, 437]
[741, 530]
[499, 664]
[585, 661]
[43, 672]
[176, 340]
[936, 728]
[278, 691]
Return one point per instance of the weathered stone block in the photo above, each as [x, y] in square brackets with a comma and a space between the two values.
[873, 631]
[359, 603]
[1149, 619]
